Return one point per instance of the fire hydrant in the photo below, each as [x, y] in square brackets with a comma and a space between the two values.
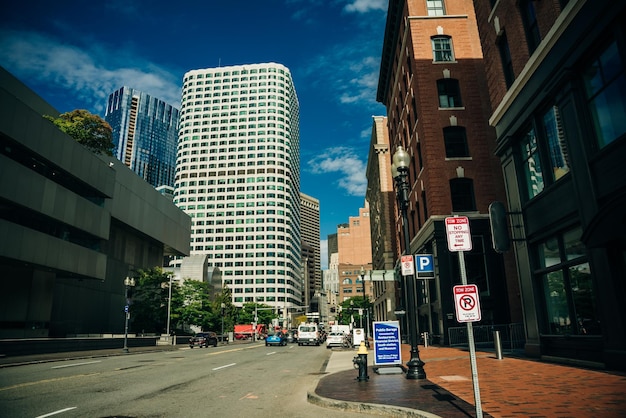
[360, 362]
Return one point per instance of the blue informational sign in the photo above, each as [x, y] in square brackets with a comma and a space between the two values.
[387, 348]
[424, 263]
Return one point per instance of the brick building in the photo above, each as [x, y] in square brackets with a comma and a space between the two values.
[355, 251]
[433, 84]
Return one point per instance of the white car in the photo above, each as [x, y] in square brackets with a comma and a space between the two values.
[335, 339]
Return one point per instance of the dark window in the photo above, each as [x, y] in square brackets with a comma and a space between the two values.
[505, 57]
[456, 142]
[605, 90]
[462, 192]
[449, 93]
[531, 26]
[442, 48]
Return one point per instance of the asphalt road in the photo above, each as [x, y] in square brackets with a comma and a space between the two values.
[227, 381]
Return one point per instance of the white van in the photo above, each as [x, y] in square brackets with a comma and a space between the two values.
[308, 333]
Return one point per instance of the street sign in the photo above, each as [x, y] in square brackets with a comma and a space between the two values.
[459, 236]
[467, 303]
[425, 266]
[407, 265]
[387, 343]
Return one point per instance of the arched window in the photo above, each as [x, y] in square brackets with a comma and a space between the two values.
[347, 281]
[442, 48]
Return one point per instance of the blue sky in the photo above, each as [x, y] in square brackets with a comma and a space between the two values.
[75, 53]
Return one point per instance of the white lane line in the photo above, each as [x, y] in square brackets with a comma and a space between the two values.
[76, 364]
[223, 367]
[60, 411]
[270, 353]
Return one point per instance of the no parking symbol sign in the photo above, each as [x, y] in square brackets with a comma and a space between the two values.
[466, 303]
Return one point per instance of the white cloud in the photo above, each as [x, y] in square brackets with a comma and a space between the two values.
[88, 74]
[364, 6]
[345, 161]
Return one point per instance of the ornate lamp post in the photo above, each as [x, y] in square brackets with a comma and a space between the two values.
[223, 306]
[400, 172]
[365, 307]
[169, 306]
[128, 283]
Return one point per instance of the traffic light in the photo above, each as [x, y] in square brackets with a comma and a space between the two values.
[499, 227]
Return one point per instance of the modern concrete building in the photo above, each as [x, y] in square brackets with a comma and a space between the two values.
[556, 76]
[310, 231]
[238, 177]
[74, 225]
[433, 84]
[145, 134]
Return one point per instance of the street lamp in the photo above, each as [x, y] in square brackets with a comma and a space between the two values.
[223, 305]
[128, 283]
[400, 172]
[169, 307]
[365, 307]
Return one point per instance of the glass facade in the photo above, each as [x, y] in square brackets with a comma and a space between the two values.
[238, 177]
[145, 134]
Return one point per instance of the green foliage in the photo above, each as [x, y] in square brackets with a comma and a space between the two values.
[265, 313]
[149, 301]
[350, 309]
[196, 309]
[91, 131]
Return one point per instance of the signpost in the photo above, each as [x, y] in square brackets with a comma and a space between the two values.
[387, 346]
[466, 300]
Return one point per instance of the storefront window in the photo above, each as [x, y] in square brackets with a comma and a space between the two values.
[531, 164]
[567, 285]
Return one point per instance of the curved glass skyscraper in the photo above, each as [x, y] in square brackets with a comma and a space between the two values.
[238, 177]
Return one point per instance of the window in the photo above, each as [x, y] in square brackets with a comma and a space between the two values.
[449, 93]
[462, 192]
[455, 141]
[435, 8]
[442, 48]
[505, 58]
[605, 88]
[531, 27]
[565, 278]
[531, 165]
[555, 138]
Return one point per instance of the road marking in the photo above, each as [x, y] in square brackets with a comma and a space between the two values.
[76, 364]
[21, 385]
[223, 367]
[57, 412]
[270, 353]
[249, 396]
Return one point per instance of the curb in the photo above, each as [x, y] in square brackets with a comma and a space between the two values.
[367, 408]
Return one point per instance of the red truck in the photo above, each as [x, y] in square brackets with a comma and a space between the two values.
[247, 331]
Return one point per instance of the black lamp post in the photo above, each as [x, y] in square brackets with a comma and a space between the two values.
[365, 307]
[128, 283]
[400, 172]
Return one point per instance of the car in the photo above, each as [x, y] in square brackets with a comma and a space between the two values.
[278, 338]
[203, 339]
[335, 339]
[290, 337]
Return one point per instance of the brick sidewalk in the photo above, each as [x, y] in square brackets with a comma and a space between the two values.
[515, 387]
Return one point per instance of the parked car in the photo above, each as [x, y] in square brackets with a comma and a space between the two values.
[290, 337]
[203, 339]
[335, 339]
[278, 338]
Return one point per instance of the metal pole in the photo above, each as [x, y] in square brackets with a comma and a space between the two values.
[367, 341]
[169, 307]
[415, 364]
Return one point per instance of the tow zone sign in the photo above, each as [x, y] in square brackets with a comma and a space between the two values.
[467, 303]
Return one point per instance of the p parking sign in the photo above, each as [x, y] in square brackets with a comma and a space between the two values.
[425, 266]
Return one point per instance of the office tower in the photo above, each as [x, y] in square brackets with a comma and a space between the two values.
[238, 177]
[310, 230]
[145, 134]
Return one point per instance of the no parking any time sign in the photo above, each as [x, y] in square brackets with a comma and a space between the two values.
[467, 303]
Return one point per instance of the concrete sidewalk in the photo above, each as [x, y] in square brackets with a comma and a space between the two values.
[511, 387]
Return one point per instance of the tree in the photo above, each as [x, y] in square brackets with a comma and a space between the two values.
[350, 309]
[149, 301]
[196, 308]
[91, 131]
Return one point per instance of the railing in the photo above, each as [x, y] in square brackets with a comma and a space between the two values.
[512, 336]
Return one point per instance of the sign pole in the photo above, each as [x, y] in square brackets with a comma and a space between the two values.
[472, 347]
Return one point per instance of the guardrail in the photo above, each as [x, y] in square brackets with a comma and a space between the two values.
[512, 336]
